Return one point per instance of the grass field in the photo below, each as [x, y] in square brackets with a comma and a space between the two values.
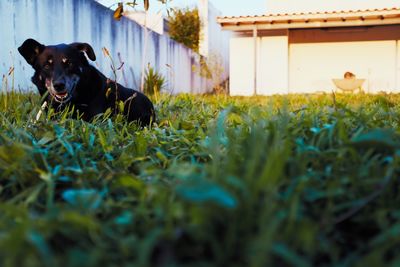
[219, 181]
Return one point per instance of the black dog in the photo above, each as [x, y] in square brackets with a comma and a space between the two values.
[64, 72]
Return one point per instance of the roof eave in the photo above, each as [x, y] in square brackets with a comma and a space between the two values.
[279, 25]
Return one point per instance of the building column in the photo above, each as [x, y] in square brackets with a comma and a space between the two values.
[398, 66]
[255, 33]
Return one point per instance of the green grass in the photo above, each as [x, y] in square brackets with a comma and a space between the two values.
[219, 181]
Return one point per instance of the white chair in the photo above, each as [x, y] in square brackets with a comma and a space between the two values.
[349, 85]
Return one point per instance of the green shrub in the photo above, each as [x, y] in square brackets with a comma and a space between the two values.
[154, 81]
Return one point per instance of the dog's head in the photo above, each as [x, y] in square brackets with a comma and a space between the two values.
[58, 67]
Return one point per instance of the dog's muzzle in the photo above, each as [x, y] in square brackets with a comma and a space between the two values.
[62, 91]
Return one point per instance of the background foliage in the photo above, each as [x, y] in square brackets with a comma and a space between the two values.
[219, 181]
[120, 6]
[184, 27]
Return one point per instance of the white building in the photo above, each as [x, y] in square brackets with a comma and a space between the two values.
[300, 46]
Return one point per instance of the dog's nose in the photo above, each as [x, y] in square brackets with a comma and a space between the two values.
[59, 87]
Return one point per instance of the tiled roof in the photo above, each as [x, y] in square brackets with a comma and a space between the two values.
[340, 18]
[338, 12]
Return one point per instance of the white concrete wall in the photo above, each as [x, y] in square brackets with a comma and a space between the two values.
[241, 66]
[313, 66]
[214, 43]
[65, 21]
[272, 69]
[154, 22]
[292, 6]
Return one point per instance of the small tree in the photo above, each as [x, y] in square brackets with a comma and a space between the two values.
[212, 68]
[184, 27]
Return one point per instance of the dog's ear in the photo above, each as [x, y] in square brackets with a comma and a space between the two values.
[30, 49]
[84, 47]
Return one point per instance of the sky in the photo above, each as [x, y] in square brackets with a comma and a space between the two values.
[227, 7]
[234, 7]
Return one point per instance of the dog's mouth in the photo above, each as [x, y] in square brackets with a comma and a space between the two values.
[61, 97]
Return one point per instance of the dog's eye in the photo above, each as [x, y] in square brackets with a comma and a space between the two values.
[67, 62]
[48, 64]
